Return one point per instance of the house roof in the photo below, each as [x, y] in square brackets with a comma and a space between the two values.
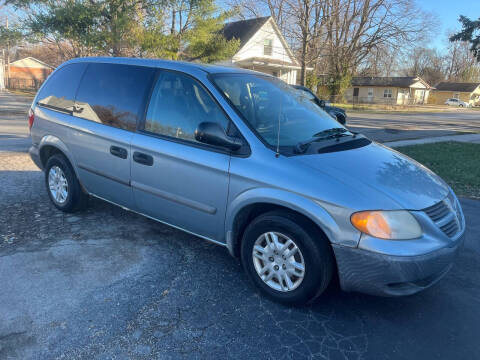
[29, 61]
[393, 81]
[243, 30]
[454, 86]
[267, 61]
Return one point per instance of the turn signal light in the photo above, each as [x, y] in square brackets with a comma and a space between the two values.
[31, 118]
[372, 223]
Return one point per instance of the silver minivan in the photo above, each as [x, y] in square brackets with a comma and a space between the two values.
[243, 160]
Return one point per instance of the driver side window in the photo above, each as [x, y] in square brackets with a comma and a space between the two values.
[178, 105]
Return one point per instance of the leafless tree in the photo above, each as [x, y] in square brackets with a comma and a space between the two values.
[338, 36]
[461, 64]
[427, 63]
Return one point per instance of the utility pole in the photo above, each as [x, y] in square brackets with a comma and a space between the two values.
[8, 54]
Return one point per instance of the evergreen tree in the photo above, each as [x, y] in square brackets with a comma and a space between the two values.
[471, 33]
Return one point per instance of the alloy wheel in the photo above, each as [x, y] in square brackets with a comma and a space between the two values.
[278, 261]
[58, 185]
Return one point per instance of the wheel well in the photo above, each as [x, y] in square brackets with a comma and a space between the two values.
[47, 151]
[250, 212]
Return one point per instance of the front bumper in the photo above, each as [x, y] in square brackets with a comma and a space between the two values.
[387, 275]
[34, 153]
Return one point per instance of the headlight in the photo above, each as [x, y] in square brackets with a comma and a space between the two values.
[392, 225]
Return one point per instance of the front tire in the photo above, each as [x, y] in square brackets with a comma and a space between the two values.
[287, 257]
[63, 187]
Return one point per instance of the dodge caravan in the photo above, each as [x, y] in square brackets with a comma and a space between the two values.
[243, 160]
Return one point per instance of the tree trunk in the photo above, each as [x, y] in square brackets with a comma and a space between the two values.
[303, 61]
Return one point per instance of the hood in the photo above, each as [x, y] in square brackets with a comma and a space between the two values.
[376, 170]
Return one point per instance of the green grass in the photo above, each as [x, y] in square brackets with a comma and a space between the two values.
[26, 93]
[457, 163]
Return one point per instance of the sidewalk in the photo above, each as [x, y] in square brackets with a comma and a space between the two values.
[471, 138]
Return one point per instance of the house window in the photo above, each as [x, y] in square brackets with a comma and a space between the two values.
[370, 92]
[267, 47]
[387, 93]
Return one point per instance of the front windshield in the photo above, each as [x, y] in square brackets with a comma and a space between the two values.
[278, 112]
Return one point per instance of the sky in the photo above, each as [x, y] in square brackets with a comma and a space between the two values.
[448, 12]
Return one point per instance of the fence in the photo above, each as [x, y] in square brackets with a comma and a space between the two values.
[24, 84]
[359, 102]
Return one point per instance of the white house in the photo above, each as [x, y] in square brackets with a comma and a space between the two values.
[262, 48]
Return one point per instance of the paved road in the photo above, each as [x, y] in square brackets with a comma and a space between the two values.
[14, 133]
[384, 127]
[107, 283]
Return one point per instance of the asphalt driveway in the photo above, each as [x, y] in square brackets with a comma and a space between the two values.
[109, 284]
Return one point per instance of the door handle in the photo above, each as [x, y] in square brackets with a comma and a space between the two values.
[142, 158]
[118, 152]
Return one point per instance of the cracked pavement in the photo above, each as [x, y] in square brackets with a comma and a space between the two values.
[109, 284]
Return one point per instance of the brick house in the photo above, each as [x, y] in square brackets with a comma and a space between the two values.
[467, 92]
[27, 73]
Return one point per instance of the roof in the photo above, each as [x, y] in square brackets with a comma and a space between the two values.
[24, 63]
[243, 30]
[188, 67]
[393, 81]
[267, 60]
[455, 86]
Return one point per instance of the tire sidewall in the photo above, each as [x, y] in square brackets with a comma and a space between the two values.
[316, 272]
[62, 163]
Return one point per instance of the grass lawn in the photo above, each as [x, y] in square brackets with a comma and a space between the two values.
[27, 93]
[456, 163]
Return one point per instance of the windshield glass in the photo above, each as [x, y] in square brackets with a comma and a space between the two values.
[270, 105]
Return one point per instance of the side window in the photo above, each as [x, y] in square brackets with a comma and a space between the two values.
[178, 104]
[58, 93]
[113, 94]
[268, 47]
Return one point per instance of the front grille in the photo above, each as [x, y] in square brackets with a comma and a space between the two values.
[445, 215]
[437, 211]
[450, 228]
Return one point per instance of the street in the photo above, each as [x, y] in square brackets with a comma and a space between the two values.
[384, 127]
[109, 284]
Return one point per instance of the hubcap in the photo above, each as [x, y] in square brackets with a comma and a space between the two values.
[278, 261]
[57, 184]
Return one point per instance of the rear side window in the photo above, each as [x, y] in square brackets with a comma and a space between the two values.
[58, 93]
[178, 104]
[113, 94]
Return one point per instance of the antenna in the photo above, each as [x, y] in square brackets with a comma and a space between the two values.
[277, 154]
[284, 50]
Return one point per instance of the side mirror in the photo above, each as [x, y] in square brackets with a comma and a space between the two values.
[213, 134]
[321, 103]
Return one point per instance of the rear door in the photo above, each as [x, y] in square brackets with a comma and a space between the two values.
[175, 178]
[108, 103]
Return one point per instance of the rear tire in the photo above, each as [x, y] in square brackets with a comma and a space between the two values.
[63, 187]
[268, 269]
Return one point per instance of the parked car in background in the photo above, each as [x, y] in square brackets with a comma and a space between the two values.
[241, 159]
[456, 102]
[333, 111]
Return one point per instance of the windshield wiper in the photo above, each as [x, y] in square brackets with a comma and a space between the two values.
[332, 133]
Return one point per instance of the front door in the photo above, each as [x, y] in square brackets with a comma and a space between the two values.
[176, 179]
